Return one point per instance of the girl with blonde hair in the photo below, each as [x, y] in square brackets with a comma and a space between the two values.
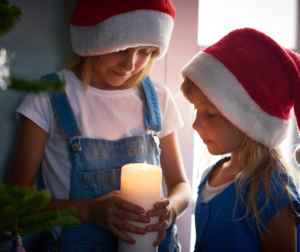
[109, 115]
[243, 89]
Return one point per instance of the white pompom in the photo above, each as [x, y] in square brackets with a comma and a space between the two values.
[297, 154]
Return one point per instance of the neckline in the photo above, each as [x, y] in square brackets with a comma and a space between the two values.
[214, 189]
[221, 194]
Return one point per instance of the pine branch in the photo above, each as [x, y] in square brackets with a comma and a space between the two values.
[9, 16]
[19, 212]
[42, 222]
[16, 202]
[36, 86]
[45, 221]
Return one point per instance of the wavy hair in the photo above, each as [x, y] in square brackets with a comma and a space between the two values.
[259, 164]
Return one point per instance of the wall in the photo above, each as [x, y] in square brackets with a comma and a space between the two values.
[182, 48]
[295, 134]
[40, 44]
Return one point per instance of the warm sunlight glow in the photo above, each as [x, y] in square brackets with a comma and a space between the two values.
[276, 18]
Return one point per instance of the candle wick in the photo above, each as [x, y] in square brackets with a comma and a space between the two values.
[144, 166]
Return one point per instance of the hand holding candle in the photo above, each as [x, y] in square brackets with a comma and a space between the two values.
[141, 185]
[109, 212]
[161, 209]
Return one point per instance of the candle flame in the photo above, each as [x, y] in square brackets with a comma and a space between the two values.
[144, 167]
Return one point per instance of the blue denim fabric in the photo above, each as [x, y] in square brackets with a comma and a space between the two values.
[152, 117]
[63, 110]
[96, 170]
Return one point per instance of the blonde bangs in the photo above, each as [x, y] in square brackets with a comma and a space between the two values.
[86, 64]
[186, 89]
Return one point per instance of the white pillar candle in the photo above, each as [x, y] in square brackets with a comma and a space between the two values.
[141, 185]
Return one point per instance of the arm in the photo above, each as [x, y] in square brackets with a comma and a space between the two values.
[177, 184]
[282, 235]
[28, 154]
[107, 211]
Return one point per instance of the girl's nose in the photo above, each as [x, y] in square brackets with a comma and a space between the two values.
[197, 125]
[128, 61]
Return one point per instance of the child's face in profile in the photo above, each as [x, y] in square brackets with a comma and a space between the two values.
[220, 136]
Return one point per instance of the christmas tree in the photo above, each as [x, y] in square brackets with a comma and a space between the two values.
[20, 207]
[20, 212]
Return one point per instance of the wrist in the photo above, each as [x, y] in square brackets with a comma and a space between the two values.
[173, 213]
[84, 212]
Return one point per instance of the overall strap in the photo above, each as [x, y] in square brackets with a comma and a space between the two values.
[152, 117]
[63, 110]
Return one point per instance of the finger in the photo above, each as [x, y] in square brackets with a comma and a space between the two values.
[123, 225]
[158, 212]
[162, 203]
[123, 214]
[161, 225]
[119, 234]
[125, 205]
[114, 193]
[160, 238]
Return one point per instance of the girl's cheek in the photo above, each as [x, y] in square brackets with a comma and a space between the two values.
[208, 120]
[142, 62]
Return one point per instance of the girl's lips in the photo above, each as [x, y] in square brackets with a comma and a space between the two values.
[119, 74]
[206, 141]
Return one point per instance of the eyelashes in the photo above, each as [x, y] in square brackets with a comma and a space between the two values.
[145, 53]
[210, 114]
[206, 112]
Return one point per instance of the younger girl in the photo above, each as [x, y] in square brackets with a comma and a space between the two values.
[109, 115]
[243, 88]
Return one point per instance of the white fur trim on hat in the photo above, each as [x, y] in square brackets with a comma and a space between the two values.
[123, 31]
[224, 90]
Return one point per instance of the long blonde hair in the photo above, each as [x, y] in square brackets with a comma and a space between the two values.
[259, 164]
[86, 64]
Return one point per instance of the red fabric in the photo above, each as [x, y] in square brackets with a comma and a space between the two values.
[265, 69]
[91, 12]
[296, 79]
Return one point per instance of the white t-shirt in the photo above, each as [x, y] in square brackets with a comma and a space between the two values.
[101, 114]
[207, 192]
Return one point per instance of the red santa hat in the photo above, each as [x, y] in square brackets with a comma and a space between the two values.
[253, 81]
[105, 26]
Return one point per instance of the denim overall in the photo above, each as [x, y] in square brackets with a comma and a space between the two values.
[96, 170]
